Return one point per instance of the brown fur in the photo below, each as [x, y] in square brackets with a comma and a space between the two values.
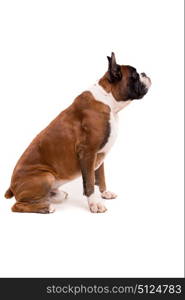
[62, 151]
[118, 89]
[100, 178]
[69, 147]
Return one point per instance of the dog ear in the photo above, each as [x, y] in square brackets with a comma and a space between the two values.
[114, 70]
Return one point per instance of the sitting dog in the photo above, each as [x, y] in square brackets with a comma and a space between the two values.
[75, 143]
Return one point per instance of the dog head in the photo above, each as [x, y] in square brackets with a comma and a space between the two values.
[125, 82]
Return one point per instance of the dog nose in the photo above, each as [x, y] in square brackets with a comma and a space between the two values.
[143, 74]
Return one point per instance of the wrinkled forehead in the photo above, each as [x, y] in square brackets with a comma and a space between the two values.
[128, 70]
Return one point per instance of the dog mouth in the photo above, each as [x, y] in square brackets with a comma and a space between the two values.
[138, 86]
[145, 80]
[142, 86]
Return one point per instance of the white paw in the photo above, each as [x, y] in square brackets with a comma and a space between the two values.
[63, 194]
[51, 208]
[108, 195]
[96, 204]
[97, 207]
[58, 196]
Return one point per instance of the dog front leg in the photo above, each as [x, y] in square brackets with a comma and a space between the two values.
[87, 165]
[100, 181]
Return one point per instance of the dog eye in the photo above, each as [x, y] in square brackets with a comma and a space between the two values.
[135, 76]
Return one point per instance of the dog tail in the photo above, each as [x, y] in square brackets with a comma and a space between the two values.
[9, 194]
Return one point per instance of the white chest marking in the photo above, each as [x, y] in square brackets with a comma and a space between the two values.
[113, 122]
[107, 98]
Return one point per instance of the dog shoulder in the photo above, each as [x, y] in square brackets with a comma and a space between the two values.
[93, 117]
[87, 101]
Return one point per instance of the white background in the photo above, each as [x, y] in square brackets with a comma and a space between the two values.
[50, 51]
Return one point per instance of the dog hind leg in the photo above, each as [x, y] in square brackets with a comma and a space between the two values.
[32, 194]
[42, 207]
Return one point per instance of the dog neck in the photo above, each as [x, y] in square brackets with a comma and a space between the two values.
[100, 94]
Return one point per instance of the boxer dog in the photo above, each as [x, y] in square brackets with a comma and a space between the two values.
[75, 144]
